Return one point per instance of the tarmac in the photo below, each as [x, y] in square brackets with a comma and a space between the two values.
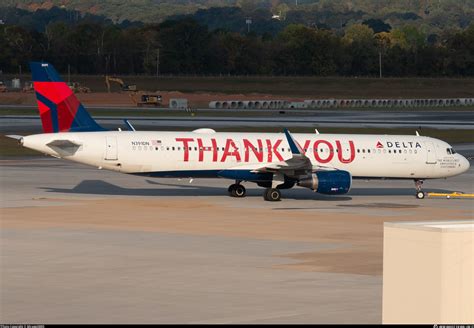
[81, 245]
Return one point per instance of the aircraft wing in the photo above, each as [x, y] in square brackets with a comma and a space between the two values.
[298, 164]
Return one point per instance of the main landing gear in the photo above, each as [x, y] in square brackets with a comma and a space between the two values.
[419, 193]
[236, 190]
[272, 195]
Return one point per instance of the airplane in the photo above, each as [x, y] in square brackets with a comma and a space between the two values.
[324, 163]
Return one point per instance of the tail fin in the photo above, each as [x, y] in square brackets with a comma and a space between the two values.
[60, 110]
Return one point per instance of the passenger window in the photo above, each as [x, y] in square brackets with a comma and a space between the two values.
[368, 150]
[389, 151]
[173, 148]
[358, 150]
[363, 150]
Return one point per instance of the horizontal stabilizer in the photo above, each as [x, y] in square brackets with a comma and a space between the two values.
[64, 147]
[14, 136]
[63, 144]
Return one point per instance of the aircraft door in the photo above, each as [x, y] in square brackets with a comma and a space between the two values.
[430, 153]
[111, 151]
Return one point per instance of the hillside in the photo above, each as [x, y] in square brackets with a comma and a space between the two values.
[432, 16]
[119, 10]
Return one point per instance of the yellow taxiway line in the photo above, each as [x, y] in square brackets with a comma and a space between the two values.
[449, 195]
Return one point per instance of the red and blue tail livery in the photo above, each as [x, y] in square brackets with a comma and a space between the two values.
[60, 110]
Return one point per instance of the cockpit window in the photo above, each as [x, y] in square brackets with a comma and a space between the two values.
[453, 151]
[450, 151]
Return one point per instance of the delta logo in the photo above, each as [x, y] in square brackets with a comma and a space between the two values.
[398, 144]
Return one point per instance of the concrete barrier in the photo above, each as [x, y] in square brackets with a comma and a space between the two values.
[428, 272]
[340, 103]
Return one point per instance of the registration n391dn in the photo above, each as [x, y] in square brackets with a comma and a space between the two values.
[324, 163]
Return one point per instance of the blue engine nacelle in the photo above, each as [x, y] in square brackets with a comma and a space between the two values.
[328, 182]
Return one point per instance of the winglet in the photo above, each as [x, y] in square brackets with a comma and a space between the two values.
[129, 125]
[294, 146]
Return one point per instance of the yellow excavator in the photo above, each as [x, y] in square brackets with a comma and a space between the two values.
[123, 85]
[140, 98]
[146, 99]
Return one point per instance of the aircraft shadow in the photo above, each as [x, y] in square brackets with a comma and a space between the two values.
[100, 187]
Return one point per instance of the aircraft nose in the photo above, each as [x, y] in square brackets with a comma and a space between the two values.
[464, 164]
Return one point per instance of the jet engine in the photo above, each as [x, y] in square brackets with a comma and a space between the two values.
[328, 182]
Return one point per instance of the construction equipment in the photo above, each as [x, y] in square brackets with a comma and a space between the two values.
[146, 99]
[3, 87]
[123, 85]
[76, 87]
[28, 87]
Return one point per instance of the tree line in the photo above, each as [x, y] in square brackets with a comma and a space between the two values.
[185, 47]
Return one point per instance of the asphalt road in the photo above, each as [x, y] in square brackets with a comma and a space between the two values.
[356, 119]
[81, 245]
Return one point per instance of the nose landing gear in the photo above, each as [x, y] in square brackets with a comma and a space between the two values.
[420, 194]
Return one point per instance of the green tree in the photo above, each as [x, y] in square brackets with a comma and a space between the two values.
[361, 45]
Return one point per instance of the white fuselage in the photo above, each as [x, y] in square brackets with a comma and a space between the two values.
[206, 152]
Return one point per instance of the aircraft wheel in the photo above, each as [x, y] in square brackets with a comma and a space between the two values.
[420, 195]
[239, 191]
[272, 195]
[236, 190]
